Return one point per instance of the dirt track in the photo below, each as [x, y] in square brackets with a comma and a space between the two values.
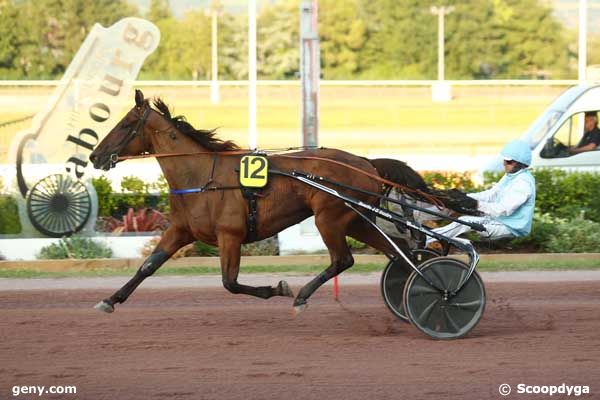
[207, 344]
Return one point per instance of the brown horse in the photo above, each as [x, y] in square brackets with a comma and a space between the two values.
[219, 216]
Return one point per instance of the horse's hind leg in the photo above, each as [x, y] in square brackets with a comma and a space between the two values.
[332, 230]
[229, 249]
[171, 241]
[362, 231]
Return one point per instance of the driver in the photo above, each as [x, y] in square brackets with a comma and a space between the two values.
[507, 207]
[591, 136]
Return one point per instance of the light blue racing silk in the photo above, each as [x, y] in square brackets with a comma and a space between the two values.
[510, 201]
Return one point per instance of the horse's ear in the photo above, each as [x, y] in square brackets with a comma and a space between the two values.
[139, 98]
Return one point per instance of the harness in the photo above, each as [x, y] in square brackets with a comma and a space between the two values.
[251, 194]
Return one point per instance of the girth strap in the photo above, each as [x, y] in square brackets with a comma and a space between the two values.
[251, 195]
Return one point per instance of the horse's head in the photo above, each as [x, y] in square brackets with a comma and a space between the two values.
[127, 138]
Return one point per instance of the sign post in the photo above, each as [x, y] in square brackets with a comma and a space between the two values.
[441, 90]
[310, 71]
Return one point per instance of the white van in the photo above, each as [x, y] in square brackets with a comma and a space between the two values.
[561, 125]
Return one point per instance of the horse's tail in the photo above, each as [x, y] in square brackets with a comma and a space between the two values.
[400, 173]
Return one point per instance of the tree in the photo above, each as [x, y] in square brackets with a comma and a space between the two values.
[506, 39]
[8, 39]
[278, 40]
[49, 32]
[484, 39]
[233, 46]
[184, 52]
[593, 55]
[401, 34]
[369, 39]
[343, 34]
[159, 10]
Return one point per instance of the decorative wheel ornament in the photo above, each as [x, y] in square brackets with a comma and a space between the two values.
[58, 205]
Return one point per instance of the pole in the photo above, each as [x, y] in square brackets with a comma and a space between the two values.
[214, 85]
[582, 40]
[441, 12]
[310, 75]
[309, 72]
[252, 134]
[441, 46]
[441, 90]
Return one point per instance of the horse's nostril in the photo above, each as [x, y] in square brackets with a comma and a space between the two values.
[92, 158]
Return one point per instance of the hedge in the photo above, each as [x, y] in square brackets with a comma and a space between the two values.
[9, 216]
[135, 194]
[566, 218]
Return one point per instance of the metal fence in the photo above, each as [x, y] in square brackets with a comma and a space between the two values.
[19, 120]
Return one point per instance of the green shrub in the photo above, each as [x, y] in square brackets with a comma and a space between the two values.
[568, 194]
[136, 190]
[575, 236]
[267, 247]
[354, 244]
[75, 247]
[161, 186]
[9, 216]
[543, 229]
[104, 191]
[135, 195]
[489, 178]
[563, 194]
[202, 249]
[462, 181]
[560, 235]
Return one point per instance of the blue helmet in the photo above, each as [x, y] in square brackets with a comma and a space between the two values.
[517, 150]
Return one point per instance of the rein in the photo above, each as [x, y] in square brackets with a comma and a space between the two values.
[432, 199]
[140, 124]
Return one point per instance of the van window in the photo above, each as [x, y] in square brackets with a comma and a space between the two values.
[541, 126]
[569, 134]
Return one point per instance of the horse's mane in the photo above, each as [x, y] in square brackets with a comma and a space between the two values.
[205, 138]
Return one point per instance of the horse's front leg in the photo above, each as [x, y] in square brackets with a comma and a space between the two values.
[229, 250]
[171, 241]
[341, 258]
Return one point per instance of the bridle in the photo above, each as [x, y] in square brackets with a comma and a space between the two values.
[139, 126]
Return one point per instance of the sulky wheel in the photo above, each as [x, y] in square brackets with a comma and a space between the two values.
[440, 315]
[422, 255]
[58, 205]
[394, 278]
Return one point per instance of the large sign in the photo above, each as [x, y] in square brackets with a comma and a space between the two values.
[51, 157]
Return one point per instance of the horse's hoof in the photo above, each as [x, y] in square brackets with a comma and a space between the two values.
[299, 308]
[284, 289]
[104, 306]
